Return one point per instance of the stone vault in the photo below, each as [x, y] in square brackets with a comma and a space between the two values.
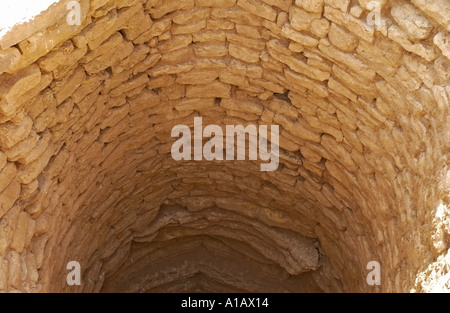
[86, 174]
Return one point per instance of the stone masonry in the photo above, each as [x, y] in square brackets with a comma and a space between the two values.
[86, 174]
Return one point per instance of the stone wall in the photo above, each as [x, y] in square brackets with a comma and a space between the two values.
[86, 113]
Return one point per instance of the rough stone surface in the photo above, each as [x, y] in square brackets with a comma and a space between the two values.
[86, 174]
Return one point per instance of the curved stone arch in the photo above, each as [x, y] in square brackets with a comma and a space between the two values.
[87, 110]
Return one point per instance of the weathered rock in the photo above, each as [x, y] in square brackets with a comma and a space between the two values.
[88, 117]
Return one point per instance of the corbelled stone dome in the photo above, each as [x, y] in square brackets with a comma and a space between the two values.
[91, 90]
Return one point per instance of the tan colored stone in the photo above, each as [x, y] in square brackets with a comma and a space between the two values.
[362, 113]
[438, 9]
[19, 237]
[349, 60]
[65, 88]
[94, 29]
[39, 22]
[315, 6]
[30, 172]
[8, 58]
[301, 38]
[400, 37]
[301, 20]
[342, 39]
[198, 77]
[301, 67]
[9, 196]
[137, 25]
[320, 27]
[11, 134]
[189, 104]
[158, 27]
[338, 4]
[215, 89]
[411, 21]
[43, 42]
[443, 42]
[37, 151]
[13, 86]
[209, 36]
[188, 28]
[210, 50]
[215, 3]
[7, 175]
[353, 24]
[176, 43]
[3, 160]
[166, 7]
[258, 8]
[242, 106]
[243, 53]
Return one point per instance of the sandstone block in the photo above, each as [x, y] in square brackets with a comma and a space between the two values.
[188, 28]
[8, 58]
[192, 104]
[7, 175]
[300, 19]
[147, 63]
[210, 50]
[23, 148]
[215, 89]
[442, 40]
[342, 39]
[305, 82]
[38, 149]
[13, 35]
[315, 6]
[11, 133]
[320, 27]
[271, 84]
[137, 25]
[13, 86]
[283, 107]
[115, 115]
[132, 83]
[234, 79]
[338, 4]
[215, 3]
[209, 36]
[200, 77]
[400, 37]
[169, 6]
[415, 24]
[188, 17]
[65, 88]
[353, 24]
[306, 40]
[297, 128]
[177, 42]
[44, 41]
[95, 29]
[438, 9]
[8, 197]
[242, 106]
[248, 31]
[30, 172]
[158, 28]
[258, 8]
[301, 67]
[347, 59]
[3, 160]
[243, 53]
[20, 233]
